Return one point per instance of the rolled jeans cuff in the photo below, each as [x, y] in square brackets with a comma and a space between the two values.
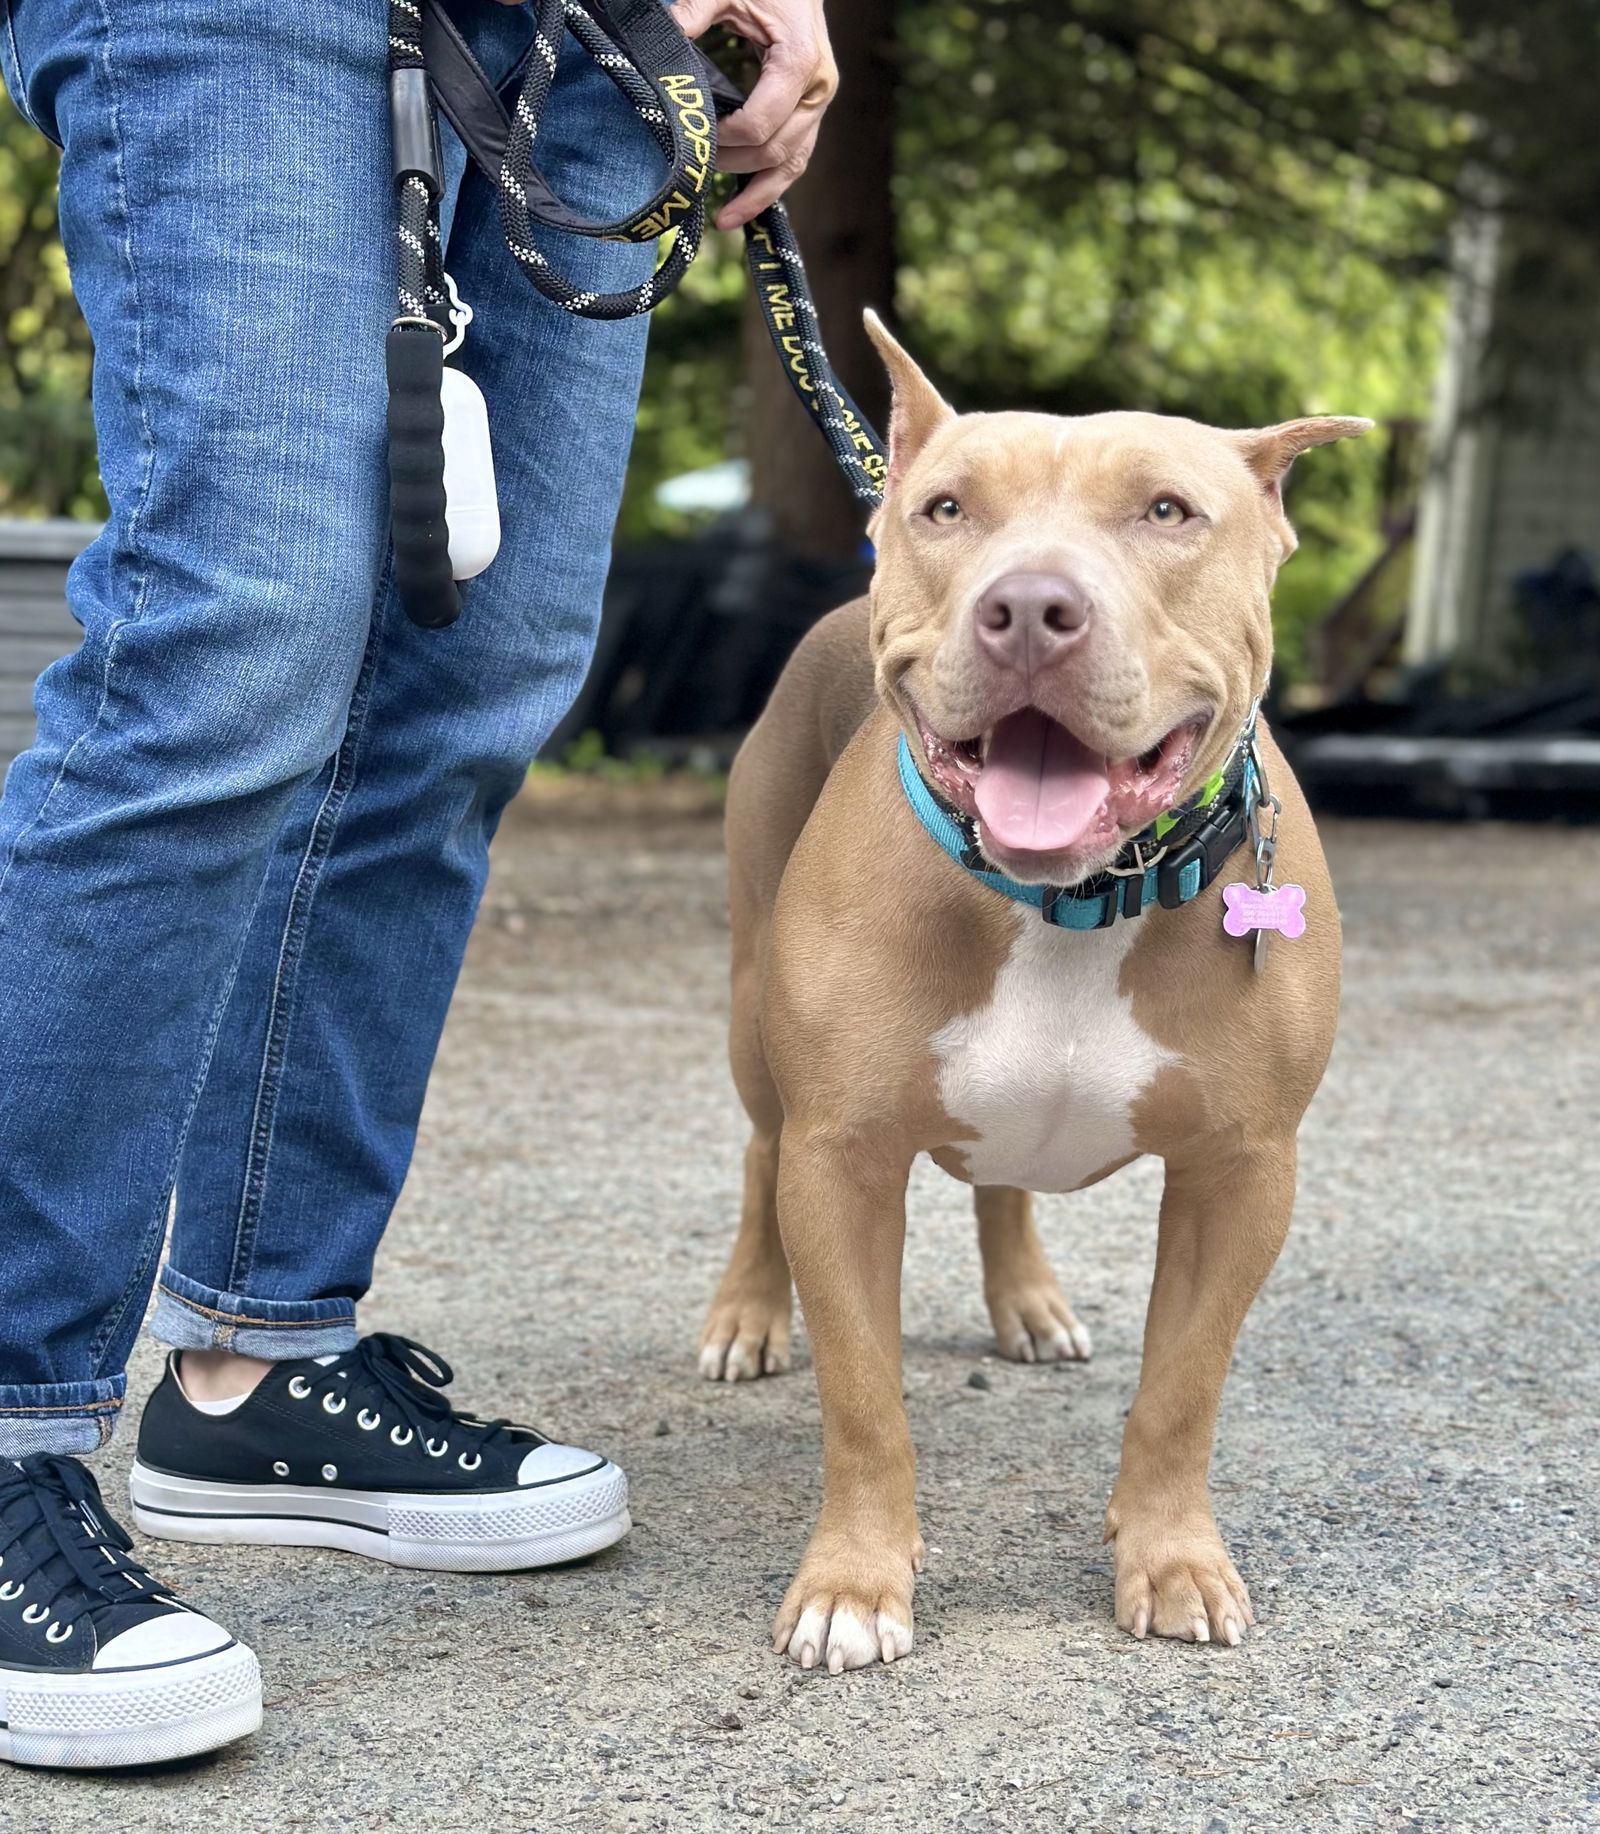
[190, 1316]
[61, 1417]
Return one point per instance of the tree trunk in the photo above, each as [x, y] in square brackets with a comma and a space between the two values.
[844, 219]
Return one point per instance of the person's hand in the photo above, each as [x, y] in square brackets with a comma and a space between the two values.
[773, 134]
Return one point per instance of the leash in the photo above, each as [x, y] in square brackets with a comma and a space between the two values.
[678, 96]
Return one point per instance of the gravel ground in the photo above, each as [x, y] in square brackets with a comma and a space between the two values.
[1405, 1472]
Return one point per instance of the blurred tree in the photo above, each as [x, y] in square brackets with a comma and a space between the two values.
[47, 462]
[1231, 208]
[1231, 212]
[1526, 75]
[1109, 205]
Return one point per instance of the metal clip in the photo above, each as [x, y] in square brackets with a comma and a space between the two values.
[1264, 840]
[1141, 864]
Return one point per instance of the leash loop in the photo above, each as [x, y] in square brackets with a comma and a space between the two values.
[665, 100]
[678, 96]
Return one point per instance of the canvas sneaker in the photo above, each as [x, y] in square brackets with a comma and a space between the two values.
[363, 1452]
[100, 1664]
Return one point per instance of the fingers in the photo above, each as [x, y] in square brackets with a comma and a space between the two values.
[766, 188]
[773, 134]
[692, 17]
[800, 130]
[769, 184]
[789, 68]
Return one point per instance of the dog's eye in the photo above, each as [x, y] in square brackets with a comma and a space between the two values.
[1166, 513]
[943, 509]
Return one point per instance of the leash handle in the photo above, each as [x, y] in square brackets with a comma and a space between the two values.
[414, 348]
[661, 73]
[414, 358]
[678, 95]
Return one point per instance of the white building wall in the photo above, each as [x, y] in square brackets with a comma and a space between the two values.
[1514, 473]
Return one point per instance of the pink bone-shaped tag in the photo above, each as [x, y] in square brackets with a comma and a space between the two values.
[1282, 909]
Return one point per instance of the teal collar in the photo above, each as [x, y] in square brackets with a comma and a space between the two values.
[1170, 863]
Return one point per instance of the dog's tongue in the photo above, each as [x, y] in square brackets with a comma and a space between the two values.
[1039, 788]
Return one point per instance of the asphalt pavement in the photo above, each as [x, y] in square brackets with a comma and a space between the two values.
[1406, 1468]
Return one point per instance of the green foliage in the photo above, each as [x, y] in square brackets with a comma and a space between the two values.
[1233, 209]
[586, 756]
[692, 402]
[47, 461]
[1228, 212]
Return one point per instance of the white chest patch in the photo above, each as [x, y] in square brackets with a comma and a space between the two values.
[1047, 1073]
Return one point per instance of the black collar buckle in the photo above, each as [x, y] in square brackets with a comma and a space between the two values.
[1211, 844]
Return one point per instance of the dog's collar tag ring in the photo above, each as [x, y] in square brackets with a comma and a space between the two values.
[1266, 907]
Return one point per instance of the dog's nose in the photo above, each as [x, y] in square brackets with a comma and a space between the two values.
[1026, 620]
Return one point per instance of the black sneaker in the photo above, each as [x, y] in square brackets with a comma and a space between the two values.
[362, 1452]
[99, 1664]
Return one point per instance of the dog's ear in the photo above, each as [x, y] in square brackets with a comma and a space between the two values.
[918, 410]
[1270, 451]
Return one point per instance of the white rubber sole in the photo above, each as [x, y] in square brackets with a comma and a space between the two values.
[499, 1532]
[130, 1716]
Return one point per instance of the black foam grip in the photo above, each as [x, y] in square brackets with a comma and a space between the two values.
[414, 356]
[416, 132]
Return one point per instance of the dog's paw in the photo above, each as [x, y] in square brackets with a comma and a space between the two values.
[845, 1635]
[743, 1339]
[836, 1615]
[1034, 1324]
[1180, 1585]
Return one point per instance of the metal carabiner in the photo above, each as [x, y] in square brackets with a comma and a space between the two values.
[1141, 865]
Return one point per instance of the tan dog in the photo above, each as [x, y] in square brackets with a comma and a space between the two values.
[1069, 623]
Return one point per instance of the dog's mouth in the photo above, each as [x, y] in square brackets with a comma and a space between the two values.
[1035, 787]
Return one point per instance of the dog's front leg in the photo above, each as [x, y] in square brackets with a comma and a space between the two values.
[842, 1210]
[1223, 1219]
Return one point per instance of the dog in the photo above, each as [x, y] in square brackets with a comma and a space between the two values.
[1054, 683]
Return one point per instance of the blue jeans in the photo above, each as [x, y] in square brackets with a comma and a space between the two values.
[239, 866]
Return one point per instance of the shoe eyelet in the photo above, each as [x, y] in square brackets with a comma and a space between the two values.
[36, 1614]
[280, 1469]
[470, 1461]
[401, 1436]
[11, 1589]
[299, 1387]
[59, 1634]
[330, 1472]
[437, 1448]
[368, 1421]
[334, 1404]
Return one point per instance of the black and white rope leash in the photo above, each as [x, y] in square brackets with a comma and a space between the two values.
[677, 96]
